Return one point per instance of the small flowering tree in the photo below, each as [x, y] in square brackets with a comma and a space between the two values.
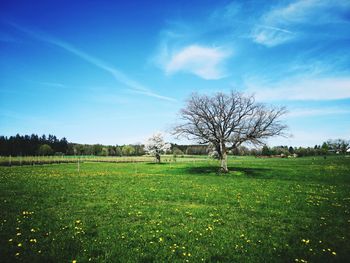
[155, 145]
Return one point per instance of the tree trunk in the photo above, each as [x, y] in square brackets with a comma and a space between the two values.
[157, 158]
[223, 158]
[224, 162]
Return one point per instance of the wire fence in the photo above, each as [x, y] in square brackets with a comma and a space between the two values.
[40, 160]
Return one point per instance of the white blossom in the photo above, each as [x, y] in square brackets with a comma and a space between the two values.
[155, 146]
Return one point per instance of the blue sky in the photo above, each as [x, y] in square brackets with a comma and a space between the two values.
[115, 72]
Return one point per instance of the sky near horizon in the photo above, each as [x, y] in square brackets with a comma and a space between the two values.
[115, 72]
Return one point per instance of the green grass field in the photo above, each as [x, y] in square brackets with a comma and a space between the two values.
[264, 210]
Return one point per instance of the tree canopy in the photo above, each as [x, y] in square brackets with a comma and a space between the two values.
[155, 145]
[228, 120]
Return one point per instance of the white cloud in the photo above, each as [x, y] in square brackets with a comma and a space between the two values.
[204, 62]
[302, 89]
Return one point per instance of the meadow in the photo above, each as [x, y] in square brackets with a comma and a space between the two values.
[264, 210]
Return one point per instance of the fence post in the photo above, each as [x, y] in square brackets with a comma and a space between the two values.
[10, 161]
[78, 165]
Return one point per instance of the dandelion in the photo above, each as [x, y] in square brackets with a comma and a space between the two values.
[32, 230]
[334, 254]
[17, 254]
[306, 241]
[161, 239]
[19, 244]
[74, 261]
[18, 234]
[10, 240]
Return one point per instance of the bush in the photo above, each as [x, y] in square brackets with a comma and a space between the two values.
[45, 149]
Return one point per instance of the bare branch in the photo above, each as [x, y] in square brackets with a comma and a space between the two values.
[228, 120]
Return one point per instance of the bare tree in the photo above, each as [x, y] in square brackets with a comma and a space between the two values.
[227, 120]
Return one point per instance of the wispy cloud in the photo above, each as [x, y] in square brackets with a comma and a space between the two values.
[302, 89]
[205, 62]
[308, 112]
[308, 11]
[7, 38]
[52, 84]
[271, 36]
[117, 74]
[280, 24]
[302, 137]
[26, 118]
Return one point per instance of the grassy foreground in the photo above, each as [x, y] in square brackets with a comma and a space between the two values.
[264, 210]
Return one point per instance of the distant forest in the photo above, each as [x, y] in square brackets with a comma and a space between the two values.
[31, 145]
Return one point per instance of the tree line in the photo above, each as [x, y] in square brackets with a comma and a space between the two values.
[337, 146]
[30, 145]
[26, 145]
